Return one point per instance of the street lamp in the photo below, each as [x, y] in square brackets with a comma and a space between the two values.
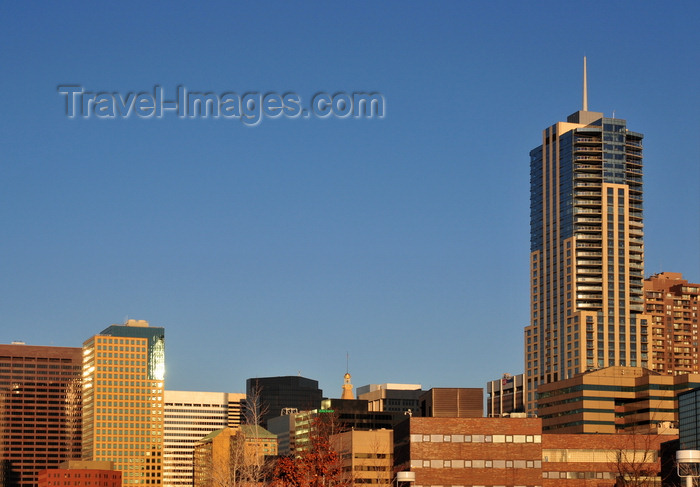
[688, 465]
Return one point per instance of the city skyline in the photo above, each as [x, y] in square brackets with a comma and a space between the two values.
[275, 250]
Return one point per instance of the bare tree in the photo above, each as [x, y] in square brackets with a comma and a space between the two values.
[636, 461]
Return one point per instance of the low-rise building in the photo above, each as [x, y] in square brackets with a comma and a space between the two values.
[366, 457]
[613, 399]
[77, 473]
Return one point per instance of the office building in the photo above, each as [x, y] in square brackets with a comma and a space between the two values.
[123, 377]
[612, 400]
[234, 456]
[40, 415]
[277, 393]
[586, 250]
[504, 396]
[672, 305]
[513, 451]
[452, 402]
[189, 417]
[366, 457]
[391, 397]
[689, 419]
[76, 473]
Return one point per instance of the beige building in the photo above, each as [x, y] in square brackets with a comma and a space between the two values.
[391, 397]
[614, 399]
[672, 305]
[123, 376]
[367, 457]
[229, 455]
[586, 251]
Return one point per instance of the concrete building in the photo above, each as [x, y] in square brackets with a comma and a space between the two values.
[672, 305]
[452, 402]
[391, 397]
[614, 399]
[75, 473]
[514, 452]
[278, 393]
[505, 396]
[242, 454]
[586, 250]
[123, 408]
[190, 416]
[367, 457]
[40, 414]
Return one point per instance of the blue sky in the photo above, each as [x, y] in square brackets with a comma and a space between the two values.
[277, 249]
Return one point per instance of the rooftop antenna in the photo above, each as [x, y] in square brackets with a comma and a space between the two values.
[585, 87]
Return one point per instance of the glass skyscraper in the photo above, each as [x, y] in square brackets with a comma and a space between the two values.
[586, 251]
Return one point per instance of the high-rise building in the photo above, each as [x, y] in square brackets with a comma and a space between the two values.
[672, 305]
[123, 383]
[39, 410]
[273, 394]
[586, 250]
[189, 417]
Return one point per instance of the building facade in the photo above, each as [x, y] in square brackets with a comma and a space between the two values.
[123, 408]
[277, 393]
[366, 457]
[391, 397]
[75, 473]
[189, 417]
[481, 452]
[40, 414]
[505, 396]
[672, 305]
[586, 251]
[452, 402]
[614, 399]
[689, 419]
[234, 456]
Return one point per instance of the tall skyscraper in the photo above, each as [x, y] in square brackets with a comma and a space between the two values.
[189, 417]
[123, 374]
[39, 410]
[586, 250]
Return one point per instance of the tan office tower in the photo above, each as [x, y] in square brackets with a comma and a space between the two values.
[123, 373]
[586, 250]
[672, 305]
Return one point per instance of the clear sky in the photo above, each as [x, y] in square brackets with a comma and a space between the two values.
[277, 249]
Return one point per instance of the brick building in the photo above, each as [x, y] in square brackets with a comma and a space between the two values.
[672, 304]
[513, 451]
[81, 474]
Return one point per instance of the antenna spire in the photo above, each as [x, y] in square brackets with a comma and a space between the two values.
[585, 87]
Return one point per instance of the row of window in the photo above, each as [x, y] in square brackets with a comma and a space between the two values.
[476, 438]
[416, 463]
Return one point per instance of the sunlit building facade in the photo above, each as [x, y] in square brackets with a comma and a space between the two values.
[39, 410]
[123, 407]
[189, 417]
[672, 305]
[586, 251]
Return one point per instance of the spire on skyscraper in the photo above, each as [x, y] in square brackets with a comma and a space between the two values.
[585, 87]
